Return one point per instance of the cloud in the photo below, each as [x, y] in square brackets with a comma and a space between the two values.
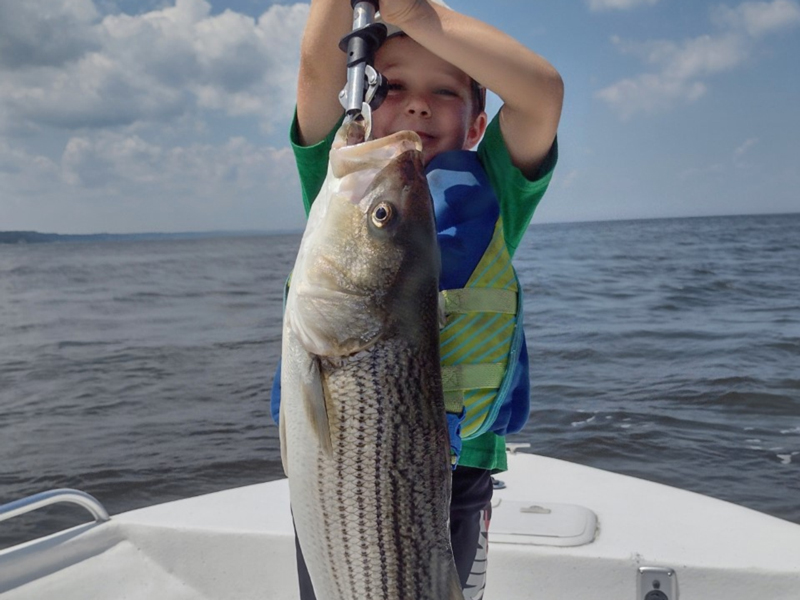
[742, 158]
[568, 180]
[741, 150]
[759, 18]
[119, 122]
[681, 69]
[720, 169]
[31, 172]
[124, 69]
[690, 59]
[45, 32]
[600, 5]
[121, 182]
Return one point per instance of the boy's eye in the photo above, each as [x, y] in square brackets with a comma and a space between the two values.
[395, 87]
[446, 92]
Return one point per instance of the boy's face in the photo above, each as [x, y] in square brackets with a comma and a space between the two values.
[427, 95]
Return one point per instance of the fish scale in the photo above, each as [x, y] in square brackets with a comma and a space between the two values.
[364, 438]
[397, 512]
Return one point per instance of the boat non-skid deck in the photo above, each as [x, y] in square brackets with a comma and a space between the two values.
[559, 531]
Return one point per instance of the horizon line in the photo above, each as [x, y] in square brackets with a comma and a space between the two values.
[297, 230]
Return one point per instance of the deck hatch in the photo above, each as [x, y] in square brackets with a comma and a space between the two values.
[542, 523]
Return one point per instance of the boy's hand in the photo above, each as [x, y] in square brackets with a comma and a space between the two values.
[398, 12]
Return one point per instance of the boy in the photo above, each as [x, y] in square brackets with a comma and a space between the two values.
[437, 71]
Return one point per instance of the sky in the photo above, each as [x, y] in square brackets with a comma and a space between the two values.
[127, 116]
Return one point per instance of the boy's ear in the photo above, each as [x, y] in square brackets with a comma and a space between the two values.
[476, 130]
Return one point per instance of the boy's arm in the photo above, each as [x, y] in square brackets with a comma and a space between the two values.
[323, 69]
[530, 87]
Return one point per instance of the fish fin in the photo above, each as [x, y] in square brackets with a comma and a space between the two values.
[314, 399]
[454, 591]
[282, 429]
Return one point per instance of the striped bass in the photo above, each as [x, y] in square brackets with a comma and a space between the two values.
[364, 440]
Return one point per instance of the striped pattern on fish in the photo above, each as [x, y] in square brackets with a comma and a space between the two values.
[383, 493]
[364, 439]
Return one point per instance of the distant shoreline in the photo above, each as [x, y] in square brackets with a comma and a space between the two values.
[36, 237]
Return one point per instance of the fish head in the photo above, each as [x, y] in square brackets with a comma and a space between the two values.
[368, 265]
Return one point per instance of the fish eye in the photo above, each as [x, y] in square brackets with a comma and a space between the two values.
[382, 214]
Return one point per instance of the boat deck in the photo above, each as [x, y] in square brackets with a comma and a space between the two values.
[559, 531]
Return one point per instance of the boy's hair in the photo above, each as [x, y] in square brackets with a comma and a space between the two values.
[478, 97]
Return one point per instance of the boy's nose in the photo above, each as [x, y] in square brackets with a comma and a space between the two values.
[418, 106]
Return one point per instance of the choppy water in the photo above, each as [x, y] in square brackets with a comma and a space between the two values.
[140, 371]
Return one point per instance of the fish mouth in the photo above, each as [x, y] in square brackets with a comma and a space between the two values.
[403, 138]
[371, 154]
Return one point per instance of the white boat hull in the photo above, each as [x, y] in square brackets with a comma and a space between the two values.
[239, 545]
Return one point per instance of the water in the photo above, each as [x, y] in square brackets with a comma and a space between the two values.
[140, 372]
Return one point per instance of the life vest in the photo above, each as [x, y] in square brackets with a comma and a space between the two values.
[482, 335]
[482, 341]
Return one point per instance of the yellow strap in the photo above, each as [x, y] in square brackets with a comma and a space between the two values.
[471, 377]
[454, 402]
[456, 379]
[491, 300]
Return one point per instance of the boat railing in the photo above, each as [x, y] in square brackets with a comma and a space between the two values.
[37, 501]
